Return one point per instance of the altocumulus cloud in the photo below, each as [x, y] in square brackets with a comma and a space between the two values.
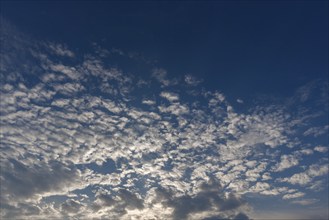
[78, 141]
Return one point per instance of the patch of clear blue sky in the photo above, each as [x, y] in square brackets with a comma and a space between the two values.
[239, 47]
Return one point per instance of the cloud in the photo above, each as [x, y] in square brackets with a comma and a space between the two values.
[294, 195]
[286, 162]
[305, 201]
[148, 102]
[208, 202]
[71, 72]
[60, 50]
[130, 199]
[21, 209]
[175, 156]
[317, 131]
[106, 200]
[175, 109]
[321, 149]
[217, 98]
[307, 177]
[71, 206]
[170, 96]
[307, 151]
[68, 88]
[191, 80]
[31, 182]
[161, 76]
[317, 186]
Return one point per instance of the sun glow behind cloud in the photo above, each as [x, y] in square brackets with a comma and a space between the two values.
[81, 138]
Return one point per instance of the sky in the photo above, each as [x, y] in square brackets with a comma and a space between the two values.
[164, 110]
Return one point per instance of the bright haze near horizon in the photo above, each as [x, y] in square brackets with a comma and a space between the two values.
[164, 110]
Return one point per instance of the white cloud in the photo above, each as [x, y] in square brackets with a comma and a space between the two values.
[305, 202]
[321, 149]
[161, 76]
[60, 50]
[317, 131]
[51, 77]
[191, 80]
[171, 160]
[7, 87]
[71, 72]
[266, 176]
[175, 109]
[68, 88]
[306, 177]
[307, 151]
[217, 99]
[317, 185]
[286, 162]
[170, 96]
[293, 195]
[148, 102]
[259, 187]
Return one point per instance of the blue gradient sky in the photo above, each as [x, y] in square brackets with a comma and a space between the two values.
[164, 110]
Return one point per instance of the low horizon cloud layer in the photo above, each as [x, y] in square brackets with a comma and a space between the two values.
[82, 139]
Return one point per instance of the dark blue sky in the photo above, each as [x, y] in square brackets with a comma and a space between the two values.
[240, 46]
